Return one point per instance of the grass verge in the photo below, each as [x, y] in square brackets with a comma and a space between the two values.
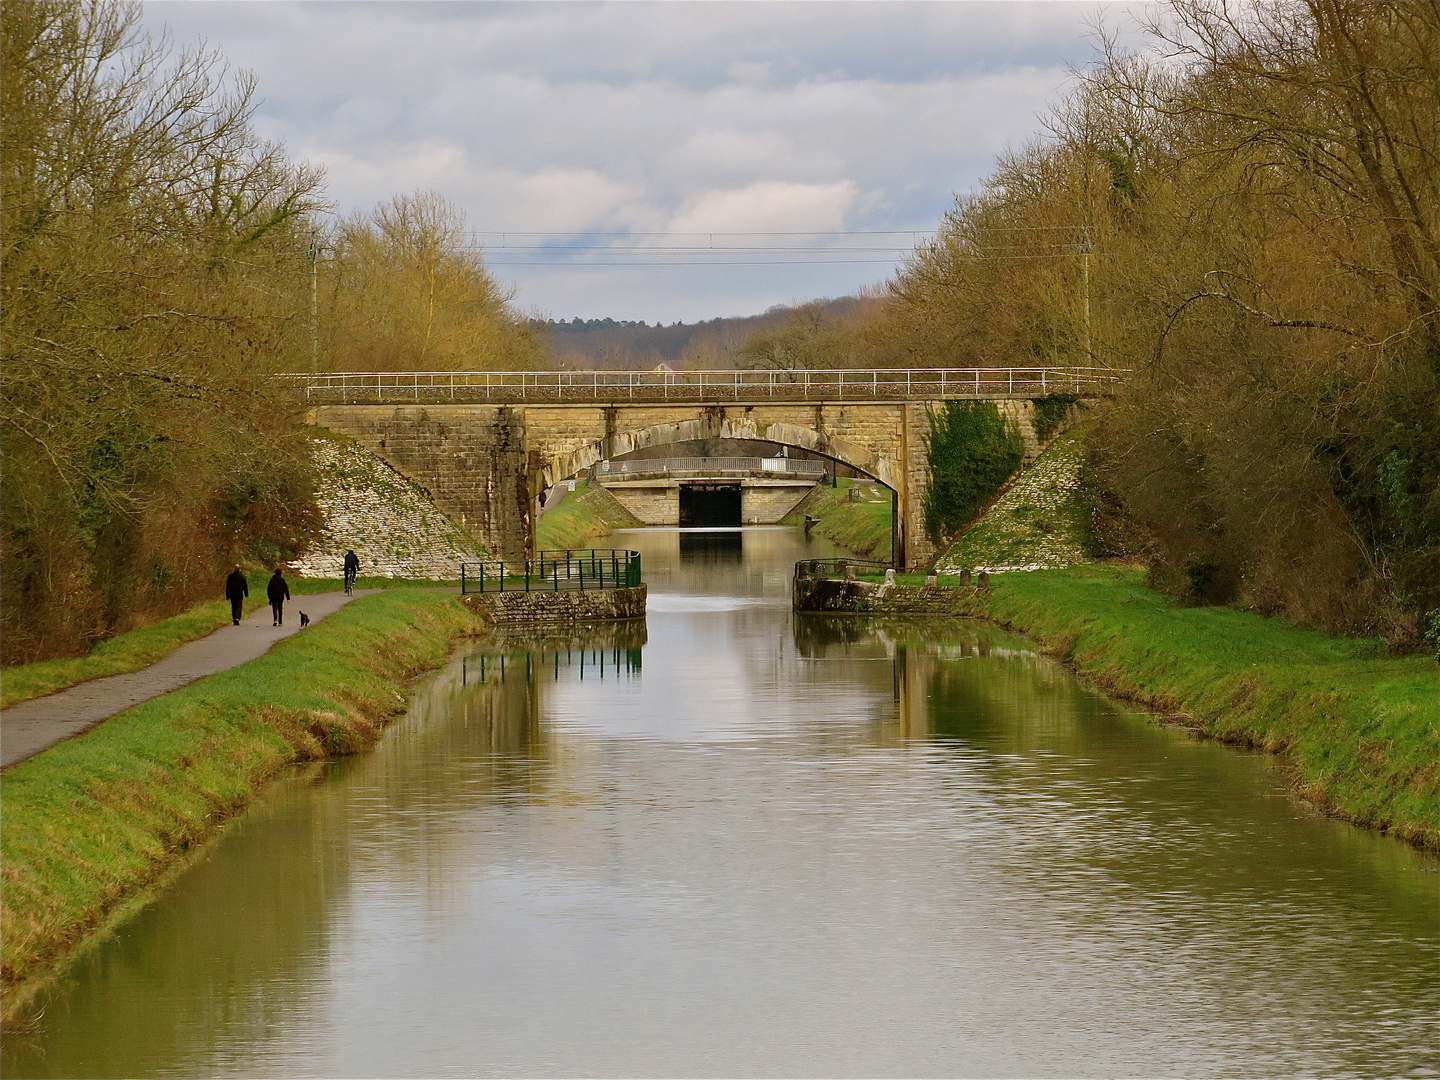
[95, 821]
[580, 516]
[855, 514]
[1358, 726]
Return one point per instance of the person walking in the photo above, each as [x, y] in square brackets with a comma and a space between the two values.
[236, 590]
[352, 570]
[278, 592]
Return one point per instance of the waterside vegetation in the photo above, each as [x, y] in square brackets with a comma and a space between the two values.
[95, 823]
[1236, 212]
[160, 260]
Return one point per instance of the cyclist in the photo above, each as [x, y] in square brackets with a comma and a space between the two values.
[352, 570]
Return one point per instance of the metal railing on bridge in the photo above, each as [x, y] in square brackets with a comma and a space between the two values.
[643, 469]
[591, 387]
[554, 571]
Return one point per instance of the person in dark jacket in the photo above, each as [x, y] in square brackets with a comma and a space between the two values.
[278, 592]
[236, 590]
[352, 570]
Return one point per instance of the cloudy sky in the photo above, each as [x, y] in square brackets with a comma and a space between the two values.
[645, 160]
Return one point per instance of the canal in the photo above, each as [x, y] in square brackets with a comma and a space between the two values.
[741, 842]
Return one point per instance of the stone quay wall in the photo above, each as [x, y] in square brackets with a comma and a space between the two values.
[558, 608]
[867, 598]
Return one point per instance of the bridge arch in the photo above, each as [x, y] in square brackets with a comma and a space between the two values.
[563, 464]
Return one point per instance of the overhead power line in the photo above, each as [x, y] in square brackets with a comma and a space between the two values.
[591, 263]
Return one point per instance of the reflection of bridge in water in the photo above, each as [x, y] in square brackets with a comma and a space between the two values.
[709, 490]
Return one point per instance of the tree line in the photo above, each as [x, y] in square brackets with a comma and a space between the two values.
[158, 259]
[1242, 215]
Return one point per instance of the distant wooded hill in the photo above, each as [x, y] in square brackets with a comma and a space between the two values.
[619, 345]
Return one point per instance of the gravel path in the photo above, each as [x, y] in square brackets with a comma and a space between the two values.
[31, 726]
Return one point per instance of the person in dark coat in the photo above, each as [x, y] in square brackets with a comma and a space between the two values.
[236, 590]
[278, 592]
[352, 570]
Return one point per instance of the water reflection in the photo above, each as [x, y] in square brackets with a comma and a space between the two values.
[732, 841]
[712, 545]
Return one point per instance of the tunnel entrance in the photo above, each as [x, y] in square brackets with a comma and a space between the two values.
[710, 504]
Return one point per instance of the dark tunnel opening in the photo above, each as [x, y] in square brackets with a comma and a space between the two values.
[709, 504]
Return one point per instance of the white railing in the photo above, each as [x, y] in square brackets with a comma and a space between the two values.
[608, 387]
[639, 468]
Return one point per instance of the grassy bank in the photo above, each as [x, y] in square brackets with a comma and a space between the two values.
[1358, 726]
[140, 648]
[582, 515]
[855, 514]
[95, 821]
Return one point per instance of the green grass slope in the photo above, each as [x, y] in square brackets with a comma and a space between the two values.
[855, 514]
[581, 516]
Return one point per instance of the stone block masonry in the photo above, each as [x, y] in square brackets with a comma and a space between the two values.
[821, 596]
[558, 608]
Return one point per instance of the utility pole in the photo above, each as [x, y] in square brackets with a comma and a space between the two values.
[1085, 294]
[314, 301]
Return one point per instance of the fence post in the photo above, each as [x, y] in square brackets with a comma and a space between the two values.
[502, 575]
[462, 579]
[555, 570]
[527, 575]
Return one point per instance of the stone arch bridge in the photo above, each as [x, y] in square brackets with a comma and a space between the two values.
[485, 443]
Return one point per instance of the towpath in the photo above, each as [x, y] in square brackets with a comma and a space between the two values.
[31, 726]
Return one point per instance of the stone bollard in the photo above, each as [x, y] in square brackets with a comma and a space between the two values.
[932, 579]
[890, 576]
[983, 581]
[849, 572]
[965, 578]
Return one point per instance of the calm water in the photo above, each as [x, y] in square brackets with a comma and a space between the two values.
[739, 842]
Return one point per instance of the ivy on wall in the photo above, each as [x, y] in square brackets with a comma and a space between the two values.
[1050, 413]
[972, 451]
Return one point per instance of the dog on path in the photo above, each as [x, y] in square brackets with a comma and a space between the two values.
[304, 620]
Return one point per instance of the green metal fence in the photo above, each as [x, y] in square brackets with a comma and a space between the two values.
[554, 571]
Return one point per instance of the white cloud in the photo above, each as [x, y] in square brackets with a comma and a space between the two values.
[688, 117]
[768, 206]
